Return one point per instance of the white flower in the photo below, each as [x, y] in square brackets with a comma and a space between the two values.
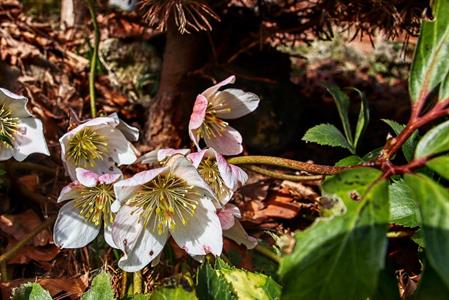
[159, 156]
[211, 106]
[232, 228]
[221, 176]
[169, 201]
[98, 144]
[20, 133]
[80, 220]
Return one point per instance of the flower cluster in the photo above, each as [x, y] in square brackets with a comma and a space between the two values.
[182, 195]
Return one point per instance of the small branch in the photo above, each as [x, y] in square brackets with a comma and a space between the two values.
[286, 163]
[93, 61]
[278, 175]
[137, 283]
[10, 253]
[268, 253]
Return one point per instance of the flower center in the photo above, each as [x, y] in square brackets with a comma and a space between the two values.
[164, 201]
[214, 126]
[94, 204]
[86, 146]
[208, 170]
[8, 127]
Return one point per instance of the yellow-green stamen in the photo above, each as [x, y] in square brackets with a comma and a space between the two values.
[86, 147]
[8, 126]
[208, 170]
[165, 200]
[94, 204]
[212, 125]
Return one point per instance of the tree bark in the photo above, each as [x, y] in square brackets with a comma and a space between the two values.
[72, 13]
[170, 110]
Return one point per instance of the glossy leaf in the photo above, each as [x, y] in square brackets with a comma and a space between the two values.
[434, 142]
[30, 291]
[433, 202]
[341, 258]
[431, 286]
[349, 161]
[212, 286]
[363, 120]
[327, 135]
[440, 165]
[101, 288]
[403, 208]
[430, 67]
[408, 148]
[342, 102]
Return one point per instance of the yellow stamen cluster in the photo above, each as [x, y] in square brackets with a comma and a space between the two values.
[208, 170]
[8, 126]
[94, 204]
[86, 146]
[164, 201]
[214, 126]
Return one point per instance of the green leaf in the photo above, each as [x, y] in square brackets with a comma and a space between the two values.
[403, 208]
[349, 161]
[433, 202]
[440, 165]
[101, 288]
[212, 286]
[363, 119]
[430, 67]
[340, 258]
[177, 293]
[30, 291]
[408, 148]
[435, 141]
[328, 135]
[387, 287]
[431, 286]
[350, 185]
[342, 102]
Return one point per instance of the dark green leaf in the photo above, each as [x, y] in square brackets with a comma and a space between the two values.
[349, 161]
[212, 286]
[387, 288]
[101, 288]
[342, 102]
[440, 165]
[328, 135]
[363, 119]
[430, 65]
[433, 203]
[30, 291]
[341, 258]
[434, 142]
[431, 286]
[409, 146]
[403, 208]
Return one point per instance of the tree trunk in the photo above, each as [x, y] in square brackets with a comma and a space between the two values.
[72, 13]
[170, 110]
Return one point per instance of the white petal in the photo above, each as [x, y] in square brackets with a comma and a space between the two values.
[202, 234]
[5, 153]
[159, 155]
[121, 151]
[130, 132]
[70, 191]
[240, 103]
[140, 245]
[213, 89]
[233, 176]
[238, 234]
[197, 157]
[72, 230]
[29, 139]
[228, 143]
[86, 177]
[108, 236]
[110, 178]
[125, 188]
[15, 103]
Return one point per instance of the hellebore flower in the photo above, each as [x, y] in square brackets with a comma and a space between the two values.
[80, 220]
[222, 177]
[211, 106]
[20, 133]
[98, 144]
[169, 201]
[232, 228]
[159, 156]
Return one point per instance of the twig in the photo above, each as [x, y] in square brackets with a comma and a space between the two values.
[10, 253]
[93, 61]
[278, 175]
[268, 253]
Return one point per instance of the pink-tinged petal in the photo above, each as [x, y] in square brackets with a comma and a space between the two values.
[182, 168]
[197, 157]
[198, 113]
[233, 176]
[240, 103]
[108, 236]
[238, 234]
[15, 103]
[119, 148]
[71, 229]
[29, 139]
[109, 178]
[124, 189]
[86, 177]
[202, 233]
[213, 89]
[195, 137]
[140, 245]
[229, 142]
[70, 191]
[226, 218]
[166, 153]
[130, 132]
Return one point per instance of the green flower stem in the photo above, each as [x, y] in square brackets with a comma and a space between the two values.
[10, 253]
[93, 61]
[137, 283]
[4, 271]
[279, 175]
[268, 253]
[286, 163]
[123, 284]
